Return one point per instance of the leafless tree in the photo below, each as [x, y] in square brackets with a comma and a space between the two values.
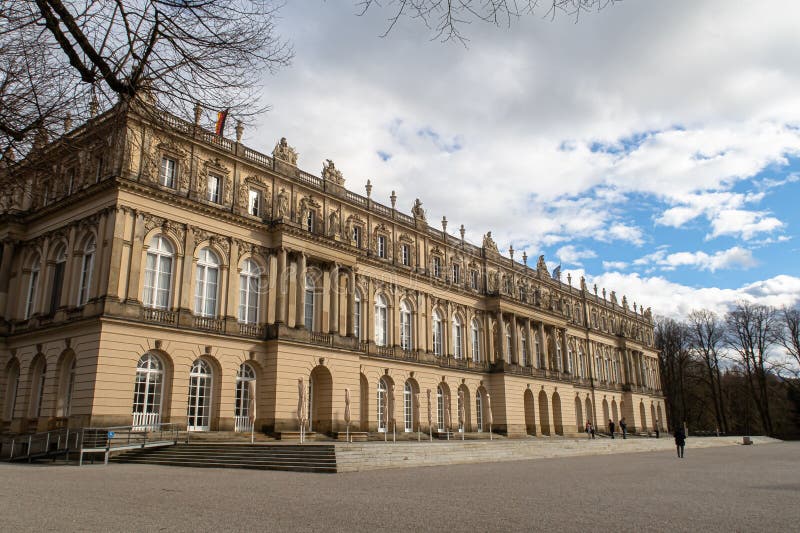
[446, 19]
[790, 339]
[672, 341]
[706, 338]
[753, 330]
[60, 57]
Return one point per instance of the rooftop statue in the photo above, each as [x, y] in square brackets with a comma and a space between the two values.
[417, 210]
[331, 173]
[284, 152]
[489, 243]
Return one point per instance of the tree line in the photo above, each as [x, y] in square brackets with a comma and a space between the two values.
[738, 373]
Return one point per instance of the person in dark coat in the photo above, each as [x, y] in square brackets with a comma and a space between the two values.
[680, 441]
[611, 428]
[624, 427]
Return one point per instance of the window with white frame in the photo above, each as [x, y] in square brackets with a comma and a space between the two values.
[525, 359]
[479, 411]
[456, 273]
[509, 344]
[309, 221]
[380, 320]
[214, 188]
[458, 338]
[157, 290]
[405, 254]
[87, 265]
[254, 202]
[249, 292]
[437, 333]
[569, 358]
[147, 391]
[437, 266]
[473, 280]
[357, 315]
[559, 360]
[405, 326]
[309, 310]
[357, 236]
[245, 379]
[206, 283]
[381, 246]
[57, 286]
[382, 400]
[440, 399]
[476, 341]
[537, 348]
[408, 408]
[33, 284]
[169, 170]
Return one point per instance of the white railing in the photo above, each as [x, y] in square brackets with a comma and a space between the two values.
[146, 421]
[242, 424]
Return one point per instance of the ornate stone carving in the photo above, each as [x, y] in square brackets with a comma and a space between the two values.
[494, 280]
[624, 302]
[284, 152]
[331, 173]
[307, 204]
[541, 267]
[613, 297]
[283, 204]
[489, 244]
[334, 222]
[417, 211]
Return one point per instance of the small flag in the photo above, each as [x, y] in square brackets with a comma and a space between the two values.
[557, 273]
[221, 117]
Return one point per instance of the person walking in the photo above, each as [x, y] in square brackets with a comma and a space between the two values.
[611, 427]
[680, 441]
[589, 429]
[624, 427]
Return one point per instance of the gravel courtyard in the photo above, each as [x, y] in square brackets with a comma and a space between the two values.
[734, 488]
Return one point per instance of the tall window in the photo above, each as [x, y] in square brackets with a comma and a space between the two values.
[254, 202]
[58, 280]
[440, 407]
[33, 283]
[357, 315]
[69, 391]
[206, 282]
[559, 360]
[456, 273]
[437, 266]
[309, 221]
[40, 389]
[158, 274]
[214, 186]
[509, 344]
[383, 391]
[479, 410]
[245, 377]
[408, 408]
[382, 246]
[476, 341]
[380, 320]
[357, 235]
[169, 169]
[405, 254]
[458, 338]
[569, 359]
[538, 350]
[581, 370]
[198, 410]
[405, 326]
[437, 333]
[249, 291]
[524, 360]
[308, 309]
[86, 272]
[473, 280]
[12, 386]
[98, 169]
[147, 392]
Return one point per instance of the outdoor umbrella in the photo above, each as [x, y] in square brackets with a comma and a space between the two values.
[416, 413]
[461, 422]
[489, 414]
[347, 411]
[390, 406]
[251, 409]
[447, 420]
[385, 414]
[430, 415]
[301, 403]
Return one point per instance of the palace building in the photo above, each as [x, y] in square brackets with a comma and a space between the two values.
[153, 272]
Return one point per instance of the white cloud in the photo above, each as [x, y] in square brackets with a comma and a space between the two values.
[735, 257]
[569, 255]
[614, 265]
[745, 224]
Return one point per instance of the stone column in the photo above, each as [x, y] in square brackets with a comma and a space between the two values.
[184, 282]
[99, 257]
[301, 289]
[500, 347]
[514, 355]
[488, 338]
[281, 286]
[135, 262]
[334, 314]
[529, 342]
[565, 351]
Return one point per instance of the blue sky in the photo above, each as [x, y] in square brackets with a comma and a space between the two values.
[653, 147]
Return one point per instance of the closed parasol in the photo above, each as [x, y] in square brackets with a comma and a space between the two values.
[489, 418]
[390, 408]
[347, 411]
[251, 408]
[301, 403]
[461, 418]
[430, 414]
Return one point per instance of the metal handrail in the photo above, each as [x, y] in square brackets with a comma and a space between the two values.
[45, 443]
[107, 439]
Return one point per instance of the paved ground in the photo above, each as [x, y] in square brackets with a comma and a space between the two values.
[734, 488]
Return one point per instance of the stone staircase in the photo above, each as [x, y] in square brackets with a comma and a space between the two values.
[292, 458]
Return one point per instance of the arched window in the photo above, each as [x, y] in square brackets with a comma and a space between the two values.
[458, 338]
[524, 360]
[147, 392]
[476, 341]
[199, 408]
[570, 355]
[69, 390]
[406, 342]
[440, 407]
[479, 411]
[581, 369]
[87, 266]
[40, 381]
[33, 284]
[509, 344]
[559, 360]
[357, 315]
[309, 314]
[380, 320]
[437, 333]
[245, 387]
[206, 283]
[12, 386]
[157, 291]
[383, 391]
[408, 408]
[58, 280]
[249, 292]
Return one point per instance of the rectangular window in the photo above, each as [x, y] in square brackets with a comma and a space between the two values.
[310, 220]
[405, 331]
[214, 188]
[308, 310]
[98, 169]
[58, 283]
[357, 320]
[168, 170]
[254, 202]
[437, 267]
[458, 344]
[382, 246]
[86, 278]
[405, 252]
[476, 345]
[357, 235]
[34, 282]
[473, 280]
[456, 273]
[70, 180]
[437, 338]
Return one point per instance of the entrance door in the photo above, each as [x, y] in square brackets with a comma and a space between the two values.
[199, 410]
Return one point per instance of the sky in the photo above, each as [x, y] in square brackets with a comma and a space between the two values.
[653, 147]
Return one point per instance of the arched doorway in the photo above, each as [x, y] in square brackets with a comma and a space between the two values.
[579, 422]
[466, 426]
[643, 416]
[614, 413]
[442, 408]
[410, 406]
[38, 380]
[66, 384]
[148, 392]
[320, 397]
[198, 411]
[590, 412]
[660, 420]
[653, 417]
[558, 424]
[530, 413]
[364, 403]
[479, 409]
[382, 404]
[544, 415]
[245, 398]
[605, 415]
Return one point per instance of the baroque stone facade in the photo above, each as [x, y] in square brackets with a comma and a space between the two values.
[157, 273]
